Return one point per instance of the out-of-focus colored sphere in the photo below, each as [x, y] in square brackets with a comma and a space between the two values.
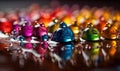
[98, 13]
[75, 29]
[106, 15]
[118, 16]
[80, 19]
[6, 27]
[101, 25]
[68, 20]
[86, 13]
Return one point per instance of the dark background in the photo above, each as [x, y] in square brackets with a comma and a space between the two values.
[17, 4]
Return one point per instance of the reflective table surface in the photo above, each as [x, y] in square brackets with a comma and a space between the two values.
[102, 56]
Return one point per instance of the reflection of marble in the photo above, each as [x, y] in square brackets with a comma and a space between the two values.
[92, 53]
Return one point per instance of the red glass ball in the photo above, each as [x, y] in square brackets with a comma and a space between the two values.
[6, 27]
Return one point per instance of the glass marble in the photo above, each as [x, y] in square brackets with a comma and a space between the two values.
[91, 34]
[63, 34]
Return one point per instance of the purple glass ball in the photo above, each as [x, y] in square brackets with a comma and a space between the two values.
[27, 30]
[42, 31]
[16, 27]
